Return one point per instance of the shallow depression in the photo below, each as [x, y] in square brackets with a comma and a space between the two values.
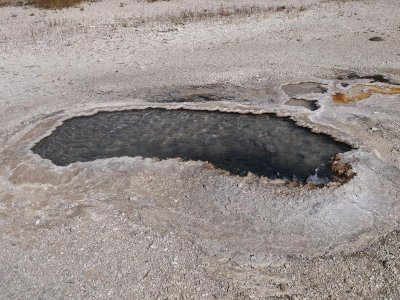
[263, 144]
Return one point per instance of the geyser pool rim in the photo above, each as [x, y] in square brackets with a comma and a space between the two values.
[64, 116]
[292, 124]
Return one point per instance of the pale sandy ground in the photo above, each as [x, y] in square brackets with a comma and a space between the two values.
[132, 228]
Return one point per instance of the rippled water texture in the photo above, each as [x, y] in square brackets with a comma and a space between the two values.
[239, 143]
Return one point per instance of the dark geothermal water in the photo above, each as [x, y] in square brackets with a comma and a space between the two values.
[239, 143]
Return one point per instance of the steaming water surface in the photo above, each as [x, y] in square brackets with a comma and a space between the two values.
[239, 143]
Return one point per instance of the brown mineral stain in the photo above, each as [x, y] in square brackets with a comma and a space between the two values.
[364, 91]
[342, 171]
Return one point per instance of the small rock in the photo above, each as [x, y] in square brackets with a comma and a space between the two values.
[386, 264]
[286, 265]
[283, 287]
[376, 39]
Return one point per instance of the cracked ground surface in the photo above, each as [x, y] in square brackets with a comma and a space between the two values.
[134, 228]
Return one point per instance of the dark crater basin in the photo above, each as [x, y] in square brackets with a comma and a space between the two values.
[264, 144]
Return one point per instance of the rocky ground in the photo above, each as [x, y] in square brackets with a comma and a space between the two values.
[134, 228]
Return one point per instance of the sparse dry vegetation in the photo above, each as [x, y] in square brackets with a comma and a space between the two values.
[47, 4]
[56, 4]
[59, 4]
[8, 3]
[225, 12]
[222, 12]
